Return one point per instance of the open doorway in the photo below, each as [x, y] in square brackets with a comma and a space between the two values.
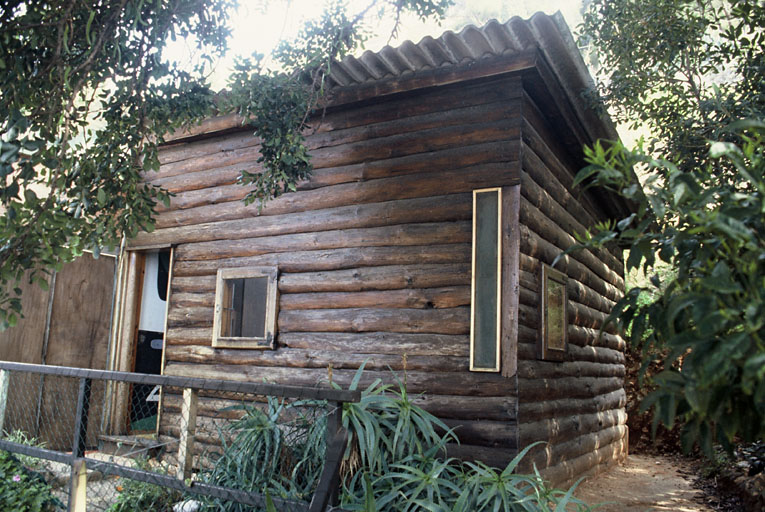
[138, 340]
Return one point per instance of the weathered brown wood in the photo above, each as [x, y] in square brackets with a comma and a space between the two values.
[182, 300]
[493, 456]
[198, 210]
[555, 370]
[428, 298]
[535, 246]
[377, 278]
[501, 434]
[541, 199]
[477, 384]
[334, 259]
[405, 234]
[537, 221]
[209, 125]
[427, 209]
[441, 321]
[531, 390]
[535, 411]
[527, 349]
[210, 145]
[316, 358]
[189, 336]
[194, 284]
[586, 336]
[378, 343]
[503, 408]
[194, 316]
[572, 468]
[511, 198]
[572, 449]
[422, 102]
[563, 428]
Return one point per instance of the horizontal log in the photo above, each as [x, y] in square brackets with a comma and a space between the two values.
[210, 146]
[475, 384]
[535, 246]
[583, 316]
[584, 336]
[502, 409]
[590, 443]
[537, 221]
[404, 234]
[565, 428]
[378, 343]
[315, 358]
[419, 142]
[224, 203]
[192, 284]
[479, 113]
[483, 152]
[564, 474]
[422, 102]
[188, 299]
[534, 390]
[500, 434]
[428, 209]
[188, 336]
[429, 298]
[529, 412]
[440, 321]
[555, 369]
[562, 172]
[492, 456]
[391, 277]
[216, 177]
[541, 199]
[334, 259]
[192, 316]
[529, 350]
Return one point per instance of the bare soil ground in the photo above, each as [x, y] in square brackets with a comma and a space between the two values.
[646, 482]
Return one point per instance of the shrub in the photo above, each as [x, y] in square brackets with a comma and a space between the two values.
[24, 489]
[137, 496]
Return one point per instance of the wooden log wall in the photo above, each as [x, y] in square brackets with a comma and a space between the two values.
[373, 252]
[578, 405]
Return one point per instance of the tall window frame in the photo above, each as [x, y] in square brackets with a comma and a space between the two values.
[226, 278]
[486, 281]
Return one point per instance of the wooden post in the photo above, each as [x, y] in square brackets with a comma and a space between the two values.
[188, 429]
[81, 419]
[329, 482]
[78, 487]
[5, 377]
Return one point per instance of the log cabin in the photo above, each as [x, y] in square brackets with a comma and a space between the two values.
[423, 243]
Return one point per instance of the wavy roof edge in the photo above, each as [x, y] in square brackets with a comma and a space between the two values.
[548, 34]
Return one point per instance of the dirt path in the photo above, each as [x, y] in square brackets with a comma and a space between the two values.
[644, 483]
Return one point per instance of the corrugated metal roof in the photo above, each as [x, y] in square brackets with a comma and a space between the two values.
[450, 49]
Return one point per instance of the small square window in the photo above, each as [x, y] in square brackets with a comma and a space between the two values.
[554, 329]
[245, 308]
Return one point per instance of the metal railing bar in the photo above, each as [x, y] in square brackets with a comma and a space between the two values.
[214, 491]
[277, 390]
[34, 451]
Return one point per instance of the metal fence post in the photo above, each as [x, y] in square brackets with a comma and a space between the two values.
[5, 379]
[188, 429]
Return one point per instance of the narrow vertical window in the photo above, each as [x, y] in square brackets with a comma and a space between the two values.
[245, 308]
[485, 314]
[554, 329]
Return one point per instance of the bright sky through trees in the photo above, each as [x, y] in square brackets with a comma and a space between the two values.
[259, 29]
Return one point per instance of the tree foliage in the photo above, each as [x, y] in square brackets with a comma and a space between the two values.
[86, 95]
[687, 71]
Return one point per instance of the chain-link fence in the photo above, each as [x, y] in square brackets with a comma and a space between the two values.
[119, 442]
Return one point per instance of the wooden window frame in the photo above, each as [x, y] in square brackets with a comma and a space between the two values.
[498, 340]
[272, 298]
[547, 352]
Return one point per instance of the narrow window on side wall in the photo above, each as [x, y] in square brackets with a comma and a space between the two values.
[485, 312]
[553, 343]
[245, 308]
